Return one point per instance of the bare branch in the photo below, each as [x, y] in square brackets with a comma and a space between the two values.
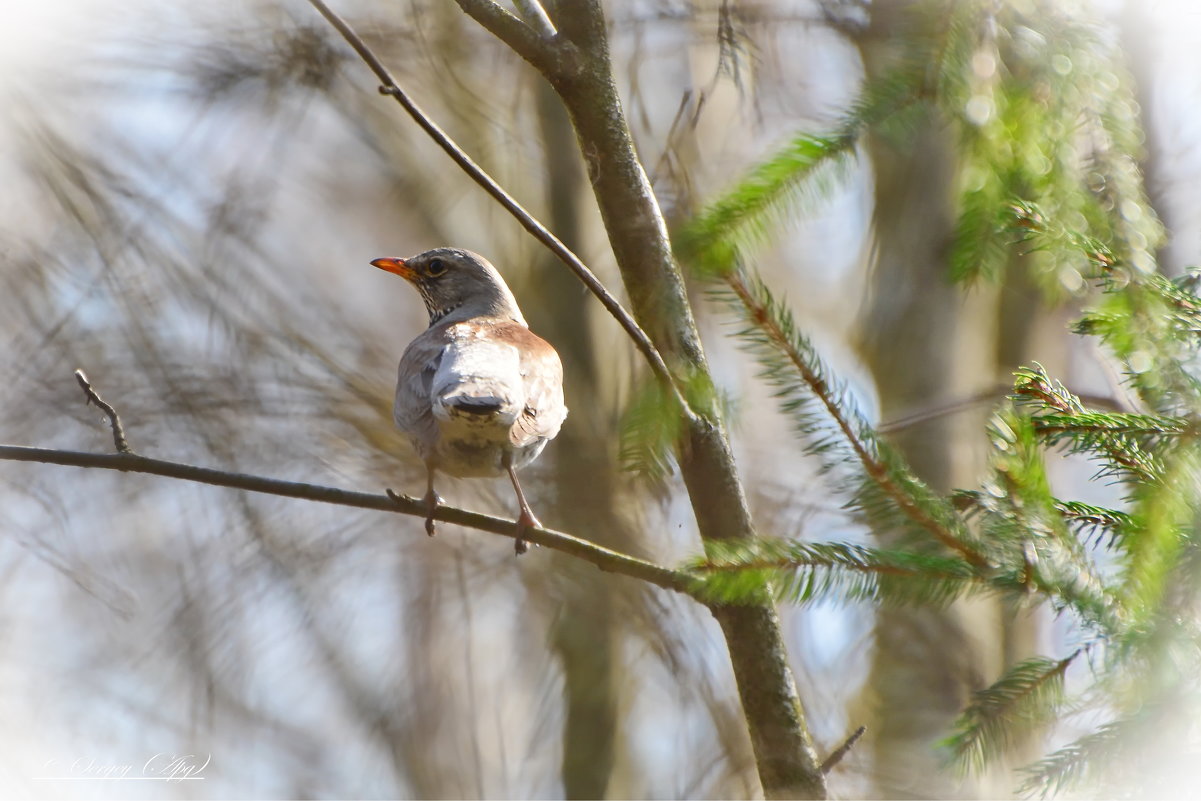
[841, 751]
[94, 398]
[126, 461]
[527, 220]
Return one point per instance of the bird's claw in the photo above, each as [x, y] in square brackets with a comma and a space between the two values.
[431, 500]
[524, 523]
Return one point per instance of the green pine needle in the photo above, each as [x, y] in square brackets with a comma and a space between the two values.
[999, 717]
[803, 573]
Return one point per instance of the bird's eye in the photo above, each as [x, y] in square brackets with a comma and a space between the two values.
[435, 268]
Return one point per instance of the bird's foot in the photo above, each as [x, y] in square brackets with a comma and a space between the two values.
[524, 523]
[431, 499]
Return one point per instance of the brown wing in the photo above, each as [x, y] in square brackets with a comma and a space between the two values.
[542, 374]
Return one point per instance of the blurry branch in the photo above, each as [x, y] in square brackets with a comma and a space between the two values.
[94, 398]
[533, 49]
[988, 397]
[128, 462]
[841, 751]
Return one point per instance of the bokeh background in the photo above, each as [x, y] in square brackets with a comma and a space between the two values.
[192, 194]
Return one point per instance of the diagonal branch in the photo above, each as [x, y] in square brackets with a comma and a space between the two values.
[528, 221]
[841, 751]
[604, 558]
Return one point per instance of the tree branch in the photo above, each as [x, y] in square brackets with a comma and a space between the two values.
[604, 558]
[841, 751]
[535, 46]
[528, 221]
[534, 14]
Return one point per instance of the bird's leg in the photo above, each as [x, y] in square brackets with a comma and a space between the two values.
[526, 520]
[431, 501]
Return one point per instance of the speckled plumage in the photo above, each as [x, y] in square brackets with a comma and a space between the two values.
[477, 392]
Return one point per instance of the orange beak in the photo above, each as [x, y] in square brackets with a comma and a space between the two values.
[396, 266]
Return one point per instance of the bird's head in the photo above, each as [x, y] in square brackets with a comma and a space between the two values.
[455, 284]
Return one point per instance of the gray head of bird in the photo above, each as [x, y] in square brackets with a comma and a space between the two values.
[455, 285]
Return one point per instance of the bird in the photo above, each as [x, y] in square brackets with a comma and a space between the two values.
[477, 393]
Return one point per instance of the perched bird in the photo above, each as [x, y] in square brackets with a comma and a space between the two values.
[477, 392]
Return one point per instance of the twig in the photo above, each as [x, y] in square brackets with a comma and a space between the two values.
[94, 398]
[528, 221]
[991, 395]
[126, 461]
[842, 750]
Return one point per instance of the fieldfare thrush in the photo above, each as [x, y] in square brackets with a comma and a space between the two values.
[477, 393]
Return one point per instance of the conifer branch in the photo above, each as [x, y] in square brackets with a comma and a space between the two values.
[801, 572]
[1095, 522]
[1027, 695]
[1059, 415]
[762, 317]
[1070, 764]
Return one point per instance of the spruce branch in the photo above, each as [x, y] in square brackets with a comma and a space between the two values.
[1095, 523]
[1072, 763]
[1027, 696]
[1061, 418]
[768, 320]
[801, 572]
[1029, 537]
[805, 169]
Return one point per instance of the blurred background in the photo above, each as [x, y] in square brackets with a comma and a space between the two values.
[192, 194]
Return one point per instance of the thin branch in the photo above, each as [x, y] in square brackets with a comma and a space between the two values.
[991, 395]
[528, 221]
[604, 558]
[842, 750]
[94, 398]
